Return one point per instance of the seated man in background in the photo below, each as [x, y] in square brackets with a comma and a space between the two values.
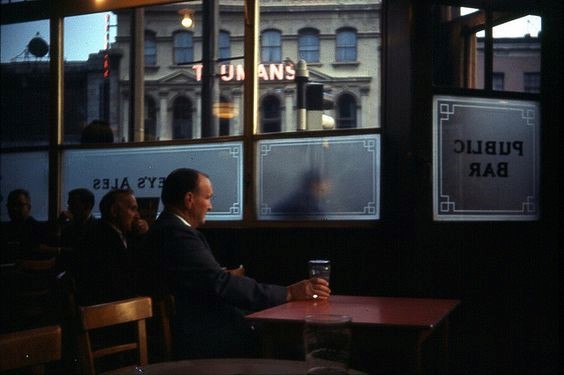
[75, 222]
[210, 300]
[106, 267]
[23, 237]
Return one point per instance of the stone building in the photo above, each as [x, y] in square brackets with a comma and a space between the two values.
[340, 41]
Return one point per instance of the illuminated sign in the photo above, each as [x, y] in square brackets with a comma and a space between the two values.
[266, 72]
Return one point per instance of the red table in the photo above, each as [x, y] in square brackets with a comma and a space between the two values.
[378, 323]
[221, 366]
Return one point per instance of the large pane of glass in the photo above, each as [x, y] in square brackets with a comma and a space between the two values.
[228, 107]
[329, 178]
[92, 80]
[460, 54]
[516, 53]
[25, 92]
[174, 100]
[144, 171]
[486, 158]
[28, 171]
[340, 43]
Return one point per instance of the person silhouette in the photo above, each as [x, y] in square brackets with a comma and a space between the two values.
[97, 131]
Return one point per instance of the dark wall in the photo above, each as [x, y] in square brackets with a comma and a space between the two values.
[505, 274]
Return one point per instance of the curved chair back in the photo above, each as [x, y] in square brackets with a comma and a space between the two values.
[133, 310]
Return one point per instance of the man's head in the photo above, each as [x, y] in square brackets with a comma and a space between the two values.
[119, 208]
[80, 204]
[19, 205]
[188, 193]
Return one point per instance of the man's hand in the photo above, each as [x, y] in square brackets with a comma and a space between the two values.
[237, 271]
[140, 226]
[314, 288]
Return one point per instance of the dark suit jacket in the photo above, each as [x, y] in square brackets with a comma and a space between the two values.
[105, 268]
[209, 321]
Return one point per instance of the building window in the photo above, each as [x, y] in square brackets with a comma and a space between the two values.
[224, 116]
[150, 131]
[183, 47]
[271, 46]
[346, 111]
[498, 81]
[346, 45]
[271, 117]
[182, 118]
[308, 45]
[150, 48]
[224, 44]
[531, 82]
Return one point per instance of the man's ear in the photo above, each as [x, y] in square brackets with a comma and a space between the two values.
[188, 199]
[114, 211]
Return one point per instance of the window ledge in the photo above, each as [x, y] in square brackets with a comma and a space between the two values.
[151, 68]
[345, 63]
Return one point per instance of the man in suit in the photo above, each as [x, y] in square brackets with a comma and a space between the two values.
[23, 237]
[210, 301]
[75, 223]
[106, 268]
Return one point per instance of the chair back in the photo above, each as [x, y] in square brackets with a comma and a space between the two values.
[165, 309]
[38, 264]
[33, 347]
[133, 310]
[34, 291]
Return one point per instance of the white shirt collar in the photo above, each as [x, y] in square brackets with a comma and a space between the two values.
[182, 219]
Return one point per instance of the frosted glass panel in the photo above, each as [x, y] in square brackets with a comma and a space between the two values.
[329, 178]
[29, 171]
[486, 158]
[144, 171]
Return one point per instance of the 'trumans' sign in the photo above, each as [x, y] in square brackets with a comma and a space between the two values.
[485, 159]
[266, 72]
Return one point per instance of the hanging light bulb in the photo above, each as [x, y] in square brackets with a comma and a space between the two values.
[187, 18]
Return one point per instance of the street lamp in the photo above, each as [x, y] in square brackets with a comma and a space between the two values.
[187, 18]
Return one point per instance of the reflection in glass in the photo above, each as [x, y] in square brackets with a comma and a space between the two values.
[331, 178]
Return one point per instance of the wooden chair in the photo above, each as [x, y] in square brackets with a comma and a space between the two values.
[164, 311]
[35, 287]
[111, 314]
[31, 348]
[38, 264]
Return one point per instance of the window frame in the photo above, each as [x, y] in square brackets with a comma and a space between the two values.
[249, 137]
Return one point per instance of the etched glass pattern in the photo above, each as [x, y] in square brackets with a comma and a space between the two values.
[325, 178]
